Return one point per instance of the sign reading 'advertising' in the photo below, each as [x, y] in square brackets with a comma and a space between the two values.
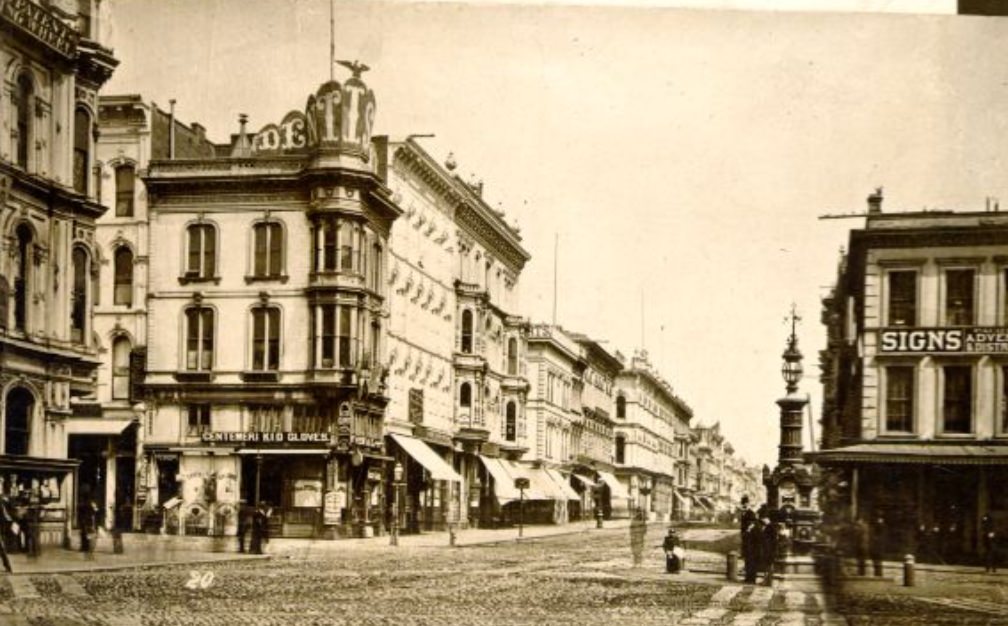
[975, 340]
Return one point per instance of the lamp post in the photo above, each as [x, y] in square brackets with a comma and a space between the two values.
[397, 476]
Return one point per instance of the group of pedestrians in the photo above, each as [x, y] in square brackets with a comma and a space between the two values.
[253, 521]
[759, 542]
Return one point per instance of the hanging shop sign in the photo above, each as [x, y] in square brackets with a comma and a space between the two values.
[974, 340]
[256, 437]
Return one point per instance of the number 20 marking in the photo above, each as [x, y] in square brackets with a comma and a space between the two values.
[199, 580]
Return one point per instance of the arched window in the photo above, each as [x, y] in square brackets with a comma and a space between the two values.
[465, 396]
[81, 150]
[22, 265]
[265, 338]
[202, 254]
[620, 407]
[268, 250]
[121, 368]
[510, 422]
[620, 449]
[78, 296]
[123, 279]
[19, 407]
[512, 356]
[199, 338]
[467, 331]
[24, 99]
[124, 178]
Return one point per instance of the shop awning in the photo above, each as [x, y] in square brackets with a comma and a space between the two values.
[504, 487]
[97, 425]
[703, 505]
[679, 497]
[422, 454]
[564, 485]
[616, 488]
[932, 454]
[587, 482]
[543, 487]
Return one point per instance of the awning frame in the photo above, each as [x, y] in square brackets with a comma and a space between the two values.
[423, 454]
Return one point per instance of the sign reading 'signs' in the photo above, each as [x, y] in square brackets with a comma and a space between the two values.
[978, 340]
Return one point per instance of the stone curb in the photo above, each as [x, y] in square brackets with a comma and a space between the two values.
[84, 569]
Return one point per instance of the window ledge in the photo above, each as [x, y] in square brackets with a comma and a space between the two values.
[260, 376]
[188, 280]
[279, 278]
[955, 436]
[194, 376]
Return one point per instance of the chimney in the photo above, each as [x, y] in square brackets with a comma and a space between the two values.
[171, 129]
[199, 130]
[875, 202]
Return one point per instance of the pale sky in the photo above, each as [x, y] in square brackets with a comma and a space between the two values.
[680, 153]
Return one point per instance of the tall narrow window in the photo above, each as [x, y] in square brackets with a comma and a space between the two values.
[268, 247]
[22, 266]
[510, 422]
[957, 404]
[202, 257]
[467, 331]
[959, 297]
[81, 151]
[345, 338]
[123, 280]
[24, 100]
[4, 296]
[265, 338]
[621, 407]
[78, 296]
[346, 235]
[376, 267]
[903, 298]
[465, 395]
[899, 399]
[512, 357]
[124, 177]
[620, 449]
[18, 409]
[121, 368]
[328, 336]
[198, 421]
[199, 338]
[328, 244]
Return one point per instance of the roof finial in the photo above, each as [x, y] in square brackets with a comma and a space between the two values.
[356, 67]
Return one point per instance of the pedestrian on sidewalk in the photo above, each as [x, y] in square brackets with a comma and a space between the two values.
[8, 527]
[87, 522]
[638, 530]
[244, 522]
[260, 528]
[768, 547]
[861, 541]
[674, 553]
[751, 539]
[989, 542]
[877, 543]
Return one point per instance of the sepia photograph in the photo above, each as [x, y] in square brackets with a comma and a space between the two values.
[512, 312]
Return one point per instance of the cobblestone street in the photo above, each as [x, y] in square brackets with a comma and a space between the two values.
[584, 578]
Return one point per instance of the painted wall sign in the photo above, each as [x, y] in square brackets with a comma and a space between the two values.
[256, 437]
[41, 24]
[973, 340]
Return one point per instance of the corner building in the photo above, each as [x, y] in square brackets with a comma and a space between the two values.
[267, 316]
[915, 374]
[52, 66]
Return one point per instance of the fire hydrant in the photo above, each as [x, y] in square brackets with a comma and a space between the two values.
[598, 518]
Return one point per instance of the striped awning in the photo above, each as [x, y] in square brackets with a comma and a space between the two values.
[565, 489]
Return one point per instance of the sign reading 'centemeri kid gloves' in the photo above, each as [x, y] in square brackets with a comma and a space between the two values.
[979, 340]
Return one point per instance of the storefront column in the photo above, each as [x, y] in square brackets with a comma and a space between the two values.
[920, 496]
[258, 461]
[854, 492]
[110, 484]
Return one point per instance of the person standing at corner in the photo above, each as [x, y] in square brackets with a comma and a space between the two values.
[87, 522]
[877, 543]
[749, 527]
[769, 547]
[260, 528]
[244, 523]
[7, 527]
[989, 543]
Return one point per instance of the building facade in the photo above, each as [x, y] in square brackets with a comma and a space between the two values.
[457, 346]
[265, 376]
[53, 66]
[648, 416]
[915, 424]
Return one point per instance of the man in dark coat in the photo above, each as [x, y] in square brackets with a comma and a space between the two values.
[877, 543]
[244, 523]
[87, 522]
[989, 542]
[6, 528]
[673, 551]
[768, 530]
[260, 529]
[749, 527]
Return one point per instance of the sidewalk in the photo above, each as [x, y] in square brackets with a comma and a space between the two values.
[55, 560]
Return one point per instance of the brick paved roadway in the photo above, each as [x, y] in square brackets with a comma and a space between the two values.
[575, 579]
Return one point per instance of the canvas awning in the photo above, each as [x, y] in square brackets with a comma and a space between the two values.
[699, 500]
[931, 454]
[424, 455]
[97, 425]
[616, 488]
[504, 473]
[504, 487]
[543, 485]
[565, 489]
[679, 497]
[588, 483]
